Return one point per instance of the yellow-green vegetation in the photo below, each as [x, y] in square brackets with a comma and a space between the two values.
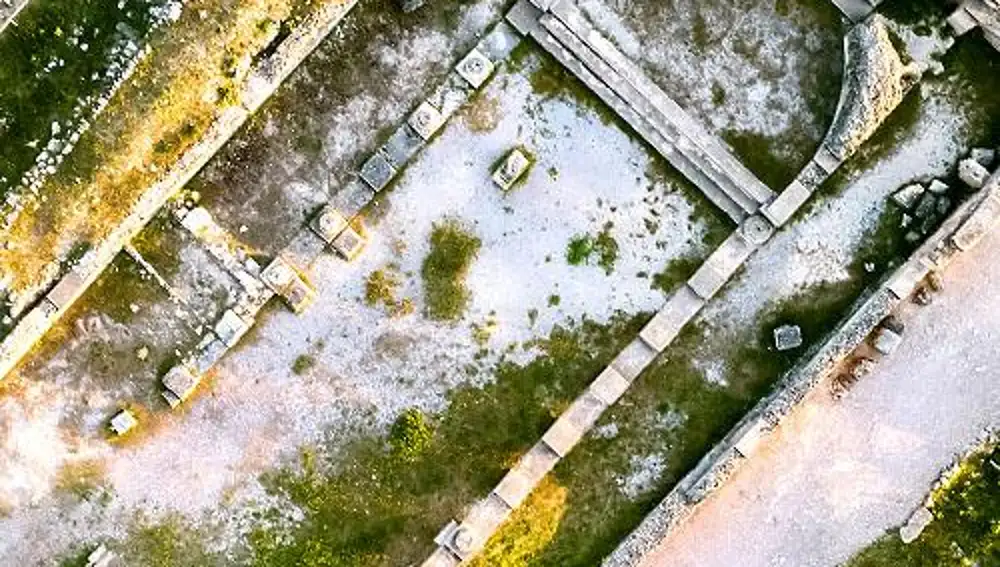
[303, 363]
[453, 249]
[151, 121]
[169, 542]
[367, 507]
[583, 247]
[381, 288]
[677, 271]
[530, 529]
[82, 479]
[966, 526]
[410, 435]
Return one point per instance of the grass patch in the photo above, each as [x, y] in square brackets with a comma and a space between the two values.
[81, 479]
[966, 521]
[411, 435]
[676, 272]
[373, 508]
[582, 248]
[757, 153]
[170, 542]
[453, 249]
[530, 529]
[303, 363]
[381, 288]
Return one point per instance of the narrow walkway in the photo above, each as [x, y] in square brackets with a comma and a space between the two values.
[836, 475]
[564, 32]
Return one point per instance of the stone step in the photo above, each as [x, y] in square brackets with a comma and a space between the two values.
[681, 162]
[735, 178]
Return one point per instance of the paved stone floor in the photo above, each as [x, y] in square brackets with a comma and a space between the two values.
[839, 474]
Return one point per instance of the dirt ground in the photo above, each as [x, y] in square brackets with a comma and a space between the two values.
[838, 474]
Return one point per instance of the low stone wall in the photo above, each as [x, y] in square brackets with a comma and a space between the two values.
[959, 233]
[261, 84]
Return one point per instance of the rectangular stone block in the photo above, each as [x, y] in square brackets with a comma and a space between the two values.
[231, 327]
[978, 225]
[633, 359]
[750, 437]
[180, 383]
[784, 206]
[664, 327]
[574, 423]
[720, 266]
[827, 160]
[450, 95]
[609, 386]
[499, 42]
[518, 483]
[402, 146]
[523, 16]
[426, 120]
[304, 249]
[328, 223]
[67, 289]
[475, 68]
[208, 356]
[904, 281]
[352, 198]
[377, 172]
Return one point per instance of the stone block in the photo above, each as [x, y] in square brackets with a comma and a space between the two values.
[972, 173]
[475, 68]
[286, 282]
[328, 224]
[100, 557]
[523, 16]
[500, 42]
[750, 437]
[908, 196]
[349, 243]
[67, 289]
[180, 383]
[426, 120]
[574, 423]
[230, 328]
[720, 266]
[123, 422]
[513, 168]
[442, 557]
[904, 281]
[915, 525]
[208, 356]
[402, 146]
[983, 156]
[784, 205]
[609, 386]
[787, 337]
[305, 248]
[633, 359]
[887, 340]
[827, 160]
[377, 172]
[938, 187]
[664, 327]
[352, 198]
[757, 230]
[518, 483]
[450, 95]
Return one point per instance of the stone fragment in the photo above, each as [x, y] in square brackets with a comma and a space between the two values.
[230, 328]
[919, 520]
[983, 156]
[179, 383]
[908, 196]
[887, 340]
[123, 422]
[862, 368]
[925, 208]
[938, 187]
[329, 223]
[408, 6]
[513, 168]
[787, 337]
[905, 221]
[972, 173]
[142, 353]
[100, 557]
[402, 146]
[943, 205]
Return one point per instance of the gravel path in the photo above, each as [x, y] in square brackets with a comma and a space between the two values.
[837, 475]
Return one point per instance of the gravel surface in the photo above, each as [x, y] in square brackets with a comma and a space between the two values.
[838, 474]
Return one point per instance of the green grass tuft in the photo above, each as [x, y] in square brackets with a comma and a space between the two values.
[453, 249]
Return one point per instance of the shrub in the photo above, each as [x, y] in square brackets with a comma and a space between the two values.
[410, 435]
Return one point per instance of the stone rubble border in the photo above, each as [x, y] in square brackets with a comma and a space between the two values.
[262, 82]
[460, 541]
[959, 233]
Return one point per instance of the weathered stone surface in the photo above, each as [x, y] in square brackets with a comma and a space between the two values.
[513, 168]
[180, 383]
[377, 172]
[574, 423]
[352, 198]
[101, 557]
[978, 224]
[475, 68]
[633, 359]
[66, 291]
[757, 230]
[938, 187]
[925, 208]
[664, 327]
[609, 386]
[983, 156]
[972, 173]
[441, 557]
[349, 243]
[908, 196]
[784, 205]
[329, 223]
[518, 483]
[787, 337]
[500, 42]
[230, 328]
[426, 120]
[720, 266]
[400, 148]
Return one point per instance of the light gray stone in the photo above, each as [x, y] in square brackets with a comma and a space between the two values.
[983, 156]
[633, 359]
[426, 120]
[329, 223]
[915, 525]
[720, 266]
[518, 483]
[938, 187]
[475, 68]
[574, 423]
[784, 205]
[352, 198]
[404, 143]
[887, 340]
[123, 422]
[230, 328]
[972, 173]
[787, 337]
[180, 383]
[609, 386]
[513, 168]
[757, 230]
[908, 196]
[349, 243]
[664, 327]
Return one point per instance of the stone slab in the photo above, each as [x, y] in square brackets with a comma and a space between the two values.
[180, 383]
[826, 159]
[518, 483]
[781, 209]
[633, 359]
[609, 386]
[305, 248]
[980, 222]
[664, 327]
[905, 280]
[208, 356]
[328, 223]
[231, 327]
[476, 68]
[523, 16]
[500, 42]
[574, 423]
[349, 244]
[441, 557]
[450, 95]
[66, 291]
[425, 121]
[484, 518]
[352, 198]
[377, 172]
[720, 266]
